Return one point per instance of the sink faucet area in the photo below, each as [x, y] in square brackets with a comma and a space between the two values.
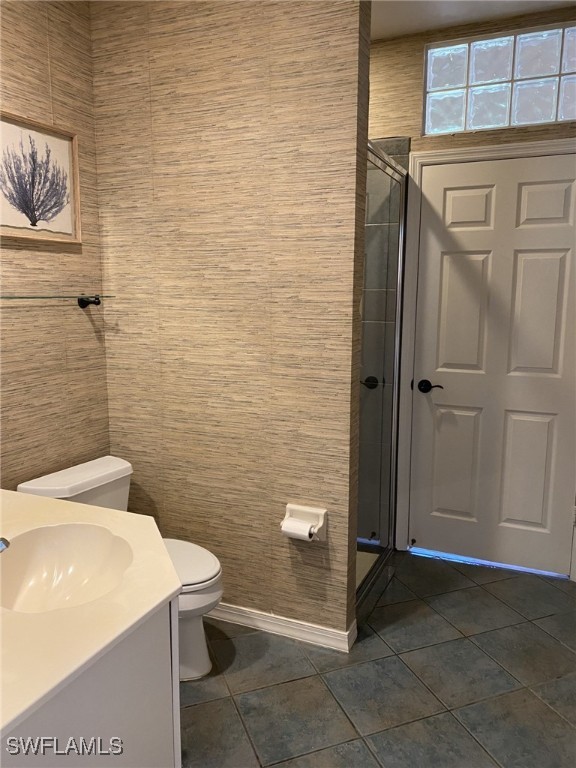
[76, 583]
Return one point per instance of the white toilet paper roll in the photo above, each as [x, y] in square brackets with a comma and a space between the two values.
[297, 529]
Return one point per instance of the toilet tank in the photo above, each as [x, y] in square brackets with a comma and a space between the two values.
[104, 482]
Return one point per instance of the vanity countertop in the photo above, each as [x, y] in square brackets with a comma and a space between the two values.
[42, 652]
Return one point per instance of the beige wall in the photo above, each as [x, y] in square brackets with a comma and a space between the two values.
[231, 169]
[53, 374]
[397, 83]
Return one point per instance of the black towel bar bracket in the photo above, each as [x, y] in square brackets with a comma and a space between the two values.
[85, 301]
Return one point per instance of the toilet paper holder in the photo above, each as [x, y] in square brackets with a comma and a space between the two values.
[313, 516]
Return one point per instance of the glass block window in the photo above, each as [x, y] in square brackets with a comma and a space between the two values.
[526, 78]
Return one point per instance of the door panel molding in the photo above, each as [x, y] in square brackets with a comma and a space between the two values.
[462, 314]
[538, 307]
[528, 468]
[455, 483]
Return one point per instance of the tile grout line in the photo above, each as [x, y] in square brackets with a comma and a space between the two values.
[552, 584]
[340, 707]
[319, 676]
[371, 750]
[428, 717]
[570, 723]
[490, 755]
[246, 731]
[550, 633]
[271, 685]
[279, 764]
[424, 600]
[477, 701]
[483, 588]
[364, 736]
[293, 642]
[470, 637]
[524, 685]
[451, 713]
[421, 597]
[528, 618]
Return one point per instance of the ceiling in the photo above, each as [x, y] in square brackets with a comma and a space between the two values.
[395, 18]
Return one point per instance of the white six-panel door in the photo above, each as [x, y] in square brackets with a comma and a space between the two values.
[493, 452]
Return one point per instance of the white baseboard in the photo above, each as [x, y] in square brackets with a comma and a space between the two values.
[279, 625]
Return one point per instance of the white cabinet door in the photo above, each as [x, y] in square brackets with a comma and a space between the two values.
[493, 454]
[118, 711]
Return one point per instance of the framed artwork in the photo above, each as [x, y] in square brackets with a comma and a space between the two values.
[39, 182]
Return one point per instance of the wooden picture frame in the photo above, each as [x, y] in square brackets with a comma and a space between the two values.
[39, 182]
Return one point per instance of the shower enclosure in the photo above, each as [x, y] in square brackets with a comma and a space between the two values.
[381, 307]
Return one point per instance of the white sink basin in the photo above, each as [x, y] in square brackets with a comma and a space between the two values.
[61, 566]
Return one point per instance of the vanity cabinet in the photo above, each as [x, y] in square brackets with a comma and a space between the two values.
[123, 706]
[89, 672]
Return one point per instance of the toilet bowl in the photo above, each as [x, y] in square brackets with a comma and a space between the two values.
[105, 482]
[201, 576]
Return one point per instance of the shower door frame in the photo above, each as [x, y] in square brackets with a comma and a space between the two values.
[418, 161]
[400, 175]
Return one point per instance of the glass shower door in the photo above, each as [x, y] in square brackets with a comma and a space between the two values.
[378, 395]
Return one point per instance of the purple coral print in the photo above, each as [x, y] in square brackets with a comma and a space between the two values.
[36, 186]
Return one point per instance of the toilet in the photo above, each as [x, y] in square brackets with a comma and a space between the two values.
[105, 482]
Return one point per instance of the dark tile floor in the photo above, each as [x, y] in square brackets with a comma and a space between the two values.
[458, 666]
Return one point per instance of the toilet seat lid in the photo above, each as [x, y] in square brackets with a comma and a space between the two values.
[193, 564]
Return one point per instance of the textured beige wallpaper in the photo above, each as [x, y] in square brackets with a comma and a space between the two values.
[53, 371]
[231, 168]
[397, 82]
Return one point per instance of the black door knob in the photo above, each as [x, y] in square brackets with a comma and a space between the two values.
[425, 386]
[371, 382]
